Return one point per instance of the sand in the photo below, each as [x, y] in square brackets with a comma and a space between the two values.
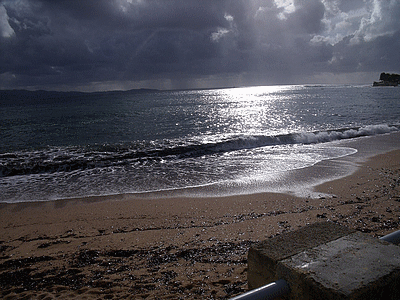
[125, 247]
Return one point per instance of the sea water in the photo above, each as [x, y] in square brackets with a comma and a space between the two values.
[57, 145]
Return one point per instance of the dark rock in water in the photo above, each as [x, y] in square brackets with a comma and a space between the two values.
[387, 79]
[390, 77]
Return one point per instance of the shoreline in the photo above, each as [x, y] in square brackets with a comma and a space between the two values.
[179, 247]
[298, 182]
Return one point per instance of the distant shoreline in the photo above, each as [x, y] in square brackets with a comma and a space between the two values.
[144, 90]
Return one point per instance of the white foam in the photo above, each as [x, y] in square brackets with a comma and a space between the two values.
[329, 136]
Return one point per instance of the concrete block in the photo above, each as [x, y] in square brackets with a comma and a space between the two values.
[328, 261]
[264, 256]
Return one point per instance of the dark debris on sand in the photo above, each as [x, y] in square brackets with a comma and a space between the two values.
[141, 273]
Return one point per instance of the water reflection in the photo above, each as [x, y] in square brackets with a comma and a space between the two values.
[252, 110]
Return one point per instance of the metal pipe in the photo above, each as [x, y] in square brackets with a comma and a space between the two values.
[393, 237]
[267, 292]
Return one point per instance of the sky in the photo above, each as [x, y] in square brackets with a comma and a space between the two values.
[90, 45]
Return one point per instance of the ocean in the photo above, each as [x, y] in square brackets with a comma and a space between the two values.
[57, 145]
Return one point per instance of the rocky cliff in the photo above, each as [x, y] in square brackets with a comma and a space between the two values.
[387, 79]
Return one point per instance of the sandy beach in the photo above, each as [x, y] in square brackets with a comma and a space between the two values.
[147, 146]
[125, 247]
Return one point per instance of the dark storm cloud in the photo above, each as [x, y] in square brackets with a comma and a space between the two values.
[102, 44]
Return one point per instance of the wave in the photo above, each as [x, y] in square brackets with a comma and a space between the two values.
[346, 133]
[70, 159]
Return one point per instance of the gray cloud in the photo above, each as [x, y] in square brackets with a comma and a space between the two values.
[106, 44]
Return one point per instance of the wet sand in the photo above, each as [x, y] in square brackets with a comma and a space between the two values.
[124, 247]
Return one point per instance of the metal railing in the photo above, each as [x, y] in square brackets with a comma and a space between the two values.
[393, 237]
[267, 292]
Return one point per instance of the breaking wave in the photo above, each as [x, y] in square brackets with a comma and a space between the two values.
[69, 159]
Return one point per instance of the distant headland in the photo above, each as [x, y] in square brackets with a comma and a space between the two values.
[387, 79]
